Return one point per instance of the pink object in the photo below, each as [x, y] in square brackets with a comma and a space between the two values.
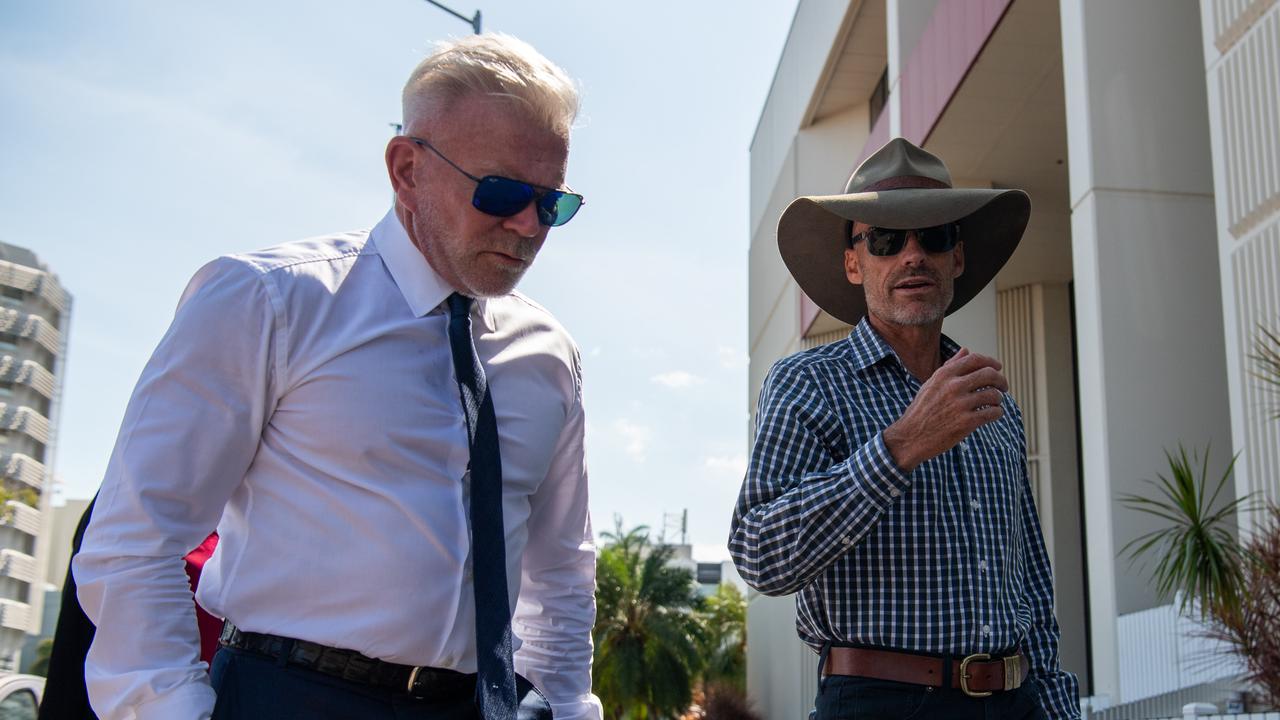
[210, 626]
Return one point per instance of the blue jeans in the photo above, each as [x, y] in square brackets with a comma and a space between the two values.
[847, 698]
[253, 687]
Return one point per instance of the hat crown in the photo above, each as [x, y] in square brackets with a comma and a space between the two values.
[898, 164]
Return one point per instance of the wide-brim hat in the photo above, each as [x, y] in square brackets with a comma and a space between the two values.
[900, 186]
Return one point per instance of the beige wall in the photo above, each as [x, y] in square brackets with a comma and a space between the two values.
[61, 531]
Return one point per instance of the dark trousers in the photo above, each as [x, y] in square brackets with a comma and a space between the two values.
[253, 687]
[846, 698]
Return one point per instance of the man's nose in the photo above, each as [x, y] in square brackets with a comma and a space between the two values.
[524, 223]
[912, 252]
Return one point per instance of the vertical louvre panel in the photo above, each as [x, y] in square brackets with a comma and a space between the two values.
[1250, 79]
[1232, 19]
[1016, 319]
[1256, 268]
[826, 338]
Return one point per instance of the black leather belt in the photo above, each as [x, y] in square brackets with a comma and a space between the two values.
[418, 682]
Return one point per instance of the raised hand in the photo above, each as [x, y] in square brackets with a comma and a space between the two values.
[961, 396]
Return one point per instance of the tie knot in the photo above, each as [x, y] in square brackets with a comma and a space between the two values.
[459, 306]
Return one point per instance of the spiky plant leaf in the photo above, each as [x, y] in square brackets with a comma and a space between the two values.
[1195, 552]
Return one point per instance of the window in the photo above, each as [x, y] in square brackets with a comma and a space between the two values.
[708, 573]
[879, 96]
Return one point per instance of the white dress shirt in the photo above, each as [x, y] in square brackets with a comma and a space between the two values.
[304, 402]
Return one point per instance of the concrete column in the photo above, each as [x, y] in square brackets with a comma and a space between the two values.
[1149, 320]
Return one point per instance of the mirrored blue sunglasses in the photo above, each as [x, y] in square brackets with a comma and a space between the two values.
[504, 197]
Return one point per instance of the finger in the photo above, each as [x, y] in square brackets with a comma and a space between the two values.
[980, 360]
[988, 414]
[969, 363]
[987, 397]
[984, 378]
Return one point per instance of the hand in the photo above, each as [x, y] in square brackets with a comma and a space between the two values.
[961, 396]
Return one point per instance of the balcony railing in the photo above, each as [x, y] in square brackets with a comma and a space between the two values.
[14, 615]
[17, 565]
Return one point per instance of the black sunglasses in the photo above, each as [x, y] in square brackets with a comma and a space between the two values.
[883, 242]
[504, 197]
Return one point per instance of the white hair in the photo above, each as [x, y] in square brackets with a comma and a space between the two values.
[492, 64]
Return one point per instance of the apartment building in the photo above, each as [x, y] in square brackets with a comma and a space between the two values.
[34, 316]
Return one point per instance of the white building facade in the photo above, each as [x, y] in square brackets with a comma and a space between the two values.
[1147, 133]
[34, 317]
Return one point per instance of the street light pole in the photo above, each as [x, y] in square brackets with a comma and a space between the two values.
[473, 21]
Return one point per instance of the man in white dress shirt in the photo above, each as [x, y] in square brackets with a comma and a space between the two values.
[306, 401]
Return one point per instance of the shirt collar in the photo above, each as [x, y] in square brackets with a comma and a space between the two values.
[869, 348]
[423, 289]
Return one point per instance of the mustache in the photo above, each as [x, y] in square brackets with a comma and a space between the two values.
[925, 274]
[524, 248]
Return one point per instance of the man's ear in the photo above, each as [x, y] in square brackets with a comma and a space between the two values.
[402, 161]
[959, 258]
[852, 266]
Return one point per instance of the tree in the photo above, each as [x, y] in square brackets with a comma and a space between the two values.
[1199, 559]
[40, 666]
[725, 646]
[648, 636]
[1234, 585]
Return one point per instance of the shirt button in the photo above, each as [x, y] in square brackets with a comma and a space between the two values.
[974, 504]
[964, 446]
[893, 492]
[986, 629]
[846, 540]
[982, 565]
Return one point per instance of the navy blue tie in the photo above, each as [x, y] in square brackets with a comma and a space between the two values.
[496, 678]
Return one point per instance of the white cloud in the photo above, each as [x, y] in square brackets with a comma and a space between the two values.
[635, 438]
[677, 379]
[732, 465]
[731, 358]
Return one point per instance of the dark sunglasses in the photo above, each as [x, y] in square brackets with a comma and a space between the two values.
[883, 242]
[504, 197]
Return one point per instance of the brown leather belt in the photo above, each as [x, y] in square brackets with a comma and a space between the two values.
[977, 675]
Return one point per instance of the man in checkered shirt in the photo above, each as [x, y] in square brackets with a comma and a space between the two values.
[887, 484]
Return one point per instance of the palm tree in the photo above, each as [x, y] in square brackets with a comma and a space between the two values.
[726, 638]
[647, 635]
[1199, 558]
[1235, 585]
[40, 666]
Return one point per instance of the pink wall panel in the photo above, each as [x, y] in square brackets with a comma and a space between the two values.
[952, 40]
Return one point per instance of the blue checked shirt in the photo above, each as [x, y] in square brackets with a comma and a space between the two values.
[947, 559]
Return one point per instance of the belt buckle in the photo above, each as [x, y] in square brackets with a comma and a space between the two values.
[1012, 672]
[964, 675]
[413, 680]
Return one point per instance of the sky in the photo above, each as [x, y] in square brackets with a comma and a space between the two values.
[139, 140]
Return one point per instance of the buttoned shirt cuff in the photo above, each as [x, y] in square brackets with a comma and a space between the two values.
[189, 701]
[877, 474]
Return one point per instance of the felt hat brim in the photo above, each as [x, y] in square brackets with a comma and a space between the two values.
[813, 235]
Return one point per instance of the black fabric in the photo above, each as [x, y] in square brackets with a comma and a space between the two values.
[65, 695]
[496, 688]
[844, 698]
[254, 687]
[350, 665]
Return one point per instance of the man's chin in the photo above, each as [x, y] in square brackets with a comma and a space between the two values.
[494, 285]
[908, 317]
